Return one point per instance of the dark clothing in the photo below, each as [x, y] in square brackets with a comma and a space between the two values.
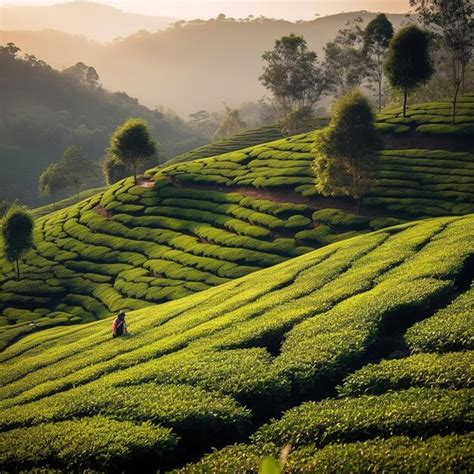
[119, 328]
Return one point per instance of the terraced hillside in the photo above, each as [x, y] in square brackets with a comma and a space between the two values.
[235, 142]
[431, 118]
[245, 139]
[380, 326]
[190, 226]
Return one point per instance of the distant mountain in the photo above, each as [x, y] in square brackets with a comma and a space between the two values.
[190, 66]
[90, 19]
[43, 111]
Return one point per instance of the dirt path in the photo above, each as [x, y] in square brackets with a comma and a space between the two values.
[289, 195]
[145, 182]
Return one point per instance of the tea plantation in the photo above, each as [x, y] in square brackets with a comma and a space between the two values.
[432, 118]
[261, 315]
[363, 324]
[194, 225]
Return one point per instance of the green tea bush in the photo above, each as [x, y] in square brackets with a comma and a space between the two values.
[413, 412]
[449, 329]
[339, 219]
[451, 370]
[438, 454]
[97, 443]
[189, 410]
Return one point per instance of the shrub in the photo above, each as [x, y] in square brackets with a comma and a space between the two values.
[439, 454]
[449, 329]
[423, 370]
[95, 442]
[414, 412]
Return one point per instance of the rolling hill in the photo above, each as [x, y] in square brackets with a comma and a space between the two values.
[89, 19]
[261, 315]
[190, 226]
[43, 111]
[212, 368]
[238, 141]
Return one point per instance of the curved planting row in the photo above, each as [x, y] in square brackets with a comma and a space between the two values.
[211, 369]
[434, 118]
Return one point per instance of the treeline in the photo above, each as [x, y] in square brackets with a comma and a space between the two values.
[43, 111]
[439, 45]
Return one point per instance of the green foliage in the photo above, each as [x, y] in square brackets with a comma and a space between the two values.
[377, 36]
[40, 126]
[213, 365]
[399, 453]
[96, 442]
[17, 233]
[449, 329]
[132, 145]
[231, 124]
[345, 60]
[414, 412]
[451, 370]
[113, 169]
[292, 73]
[297, 121]
[408, 64]
[347, 150]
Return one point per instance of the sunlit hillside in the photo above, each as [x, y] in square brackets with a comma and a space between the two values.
[190, 226]
[380, 324]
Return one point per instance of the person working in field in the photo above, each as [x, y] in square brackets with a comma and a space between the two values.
[119, 326]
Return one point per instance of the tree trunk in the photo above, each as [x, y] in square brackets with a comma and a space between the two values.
[359, 205]
[17, 270]
[405, 97]
[135, 173]
[380, 95]
[455, 100]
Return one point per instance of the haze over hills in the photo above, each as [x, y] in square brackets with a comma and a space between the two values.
[90, 19]
[188, 67]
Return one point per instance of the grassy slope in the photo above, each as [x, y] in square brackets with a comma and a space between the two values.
[132, 246]
[221, 362]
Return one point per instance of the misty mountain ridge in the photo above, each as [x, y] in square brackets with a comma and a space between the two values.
[191, 65]
[94, 20]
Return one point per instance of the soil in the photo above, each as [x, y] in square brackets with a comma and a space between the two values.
[102, 211]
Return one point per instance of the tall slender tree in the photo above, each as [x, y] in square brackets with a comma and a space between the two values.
[377, 36]
[452, 23]
[17, 232]
[408, 63]
[346, 152]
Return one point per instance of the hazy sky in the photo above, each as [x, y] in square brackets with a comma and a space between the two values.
[291, 10]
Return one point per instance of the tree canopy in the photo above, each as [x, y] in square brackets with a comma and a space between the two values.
[17, 232]
[70, 173]
[346, 152]
[408, 63]
[377, 36]
[452, 23]
[292, 74]
[231, 124]
[132, 145]
[345, 64]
